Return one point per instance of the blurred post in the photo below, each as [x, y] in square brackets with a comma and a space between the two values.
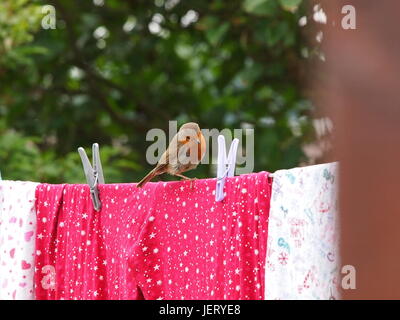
[363, 97]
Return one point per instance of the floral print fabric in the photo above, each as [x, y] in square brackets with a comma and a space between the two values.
[17, 239]
[302, 257]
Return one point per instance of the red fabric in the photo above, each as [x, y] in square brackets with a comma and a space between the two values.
[193, 247]
[87, 251]
[169, 240]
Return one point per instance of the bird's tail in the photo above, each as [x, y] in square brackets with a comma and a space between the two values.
[147, 178]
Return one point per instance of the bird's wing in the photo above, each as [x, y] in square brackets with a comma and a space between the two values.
[163, 163]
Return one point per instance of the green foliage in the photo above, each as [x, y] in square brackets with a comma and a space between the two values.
[290, 5]
[108, 73]
[21, 157]
[18, 20]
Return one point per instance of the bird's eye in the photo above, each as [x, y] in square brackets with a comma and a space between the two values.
[187, 138]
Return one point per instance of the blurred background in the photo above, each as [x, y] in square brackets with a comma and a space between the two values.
[113, 69]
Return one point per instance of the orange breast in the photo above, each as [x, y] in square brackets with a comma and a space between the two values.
[201, 151]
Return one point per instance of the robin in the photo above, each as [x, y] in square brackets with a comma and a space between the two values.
[185, 151]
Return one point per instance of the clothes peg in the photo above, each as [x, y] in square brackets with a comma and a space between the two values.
[226, 165]
[94, 175]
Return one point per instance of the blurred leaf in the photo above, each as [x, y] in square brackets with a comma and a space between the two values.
[290, 5]
[215, 30]
[259, 7]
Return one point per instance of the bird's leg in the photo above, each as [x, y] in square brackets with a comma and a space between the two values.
[191, 182]
[182, 176]
[186, 178]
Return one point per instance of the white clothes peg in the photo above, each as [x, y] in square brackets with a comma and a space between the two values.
[226, 165]
[94, 175]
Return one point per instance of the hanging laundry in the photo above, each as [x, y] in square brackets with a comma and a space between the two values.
[82, 253]
[302, 256]
[193, 247]
[17, 239]
[167, 241]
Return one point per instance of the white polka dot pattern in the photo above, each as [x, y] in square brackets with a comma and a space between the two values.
[166, 241]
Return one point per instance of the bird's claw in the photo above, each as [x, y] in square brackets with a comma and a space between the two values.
[191, 182]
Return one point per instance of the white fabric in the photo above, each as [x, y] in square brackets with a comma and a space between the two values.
[17, 239]
[302, 251]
